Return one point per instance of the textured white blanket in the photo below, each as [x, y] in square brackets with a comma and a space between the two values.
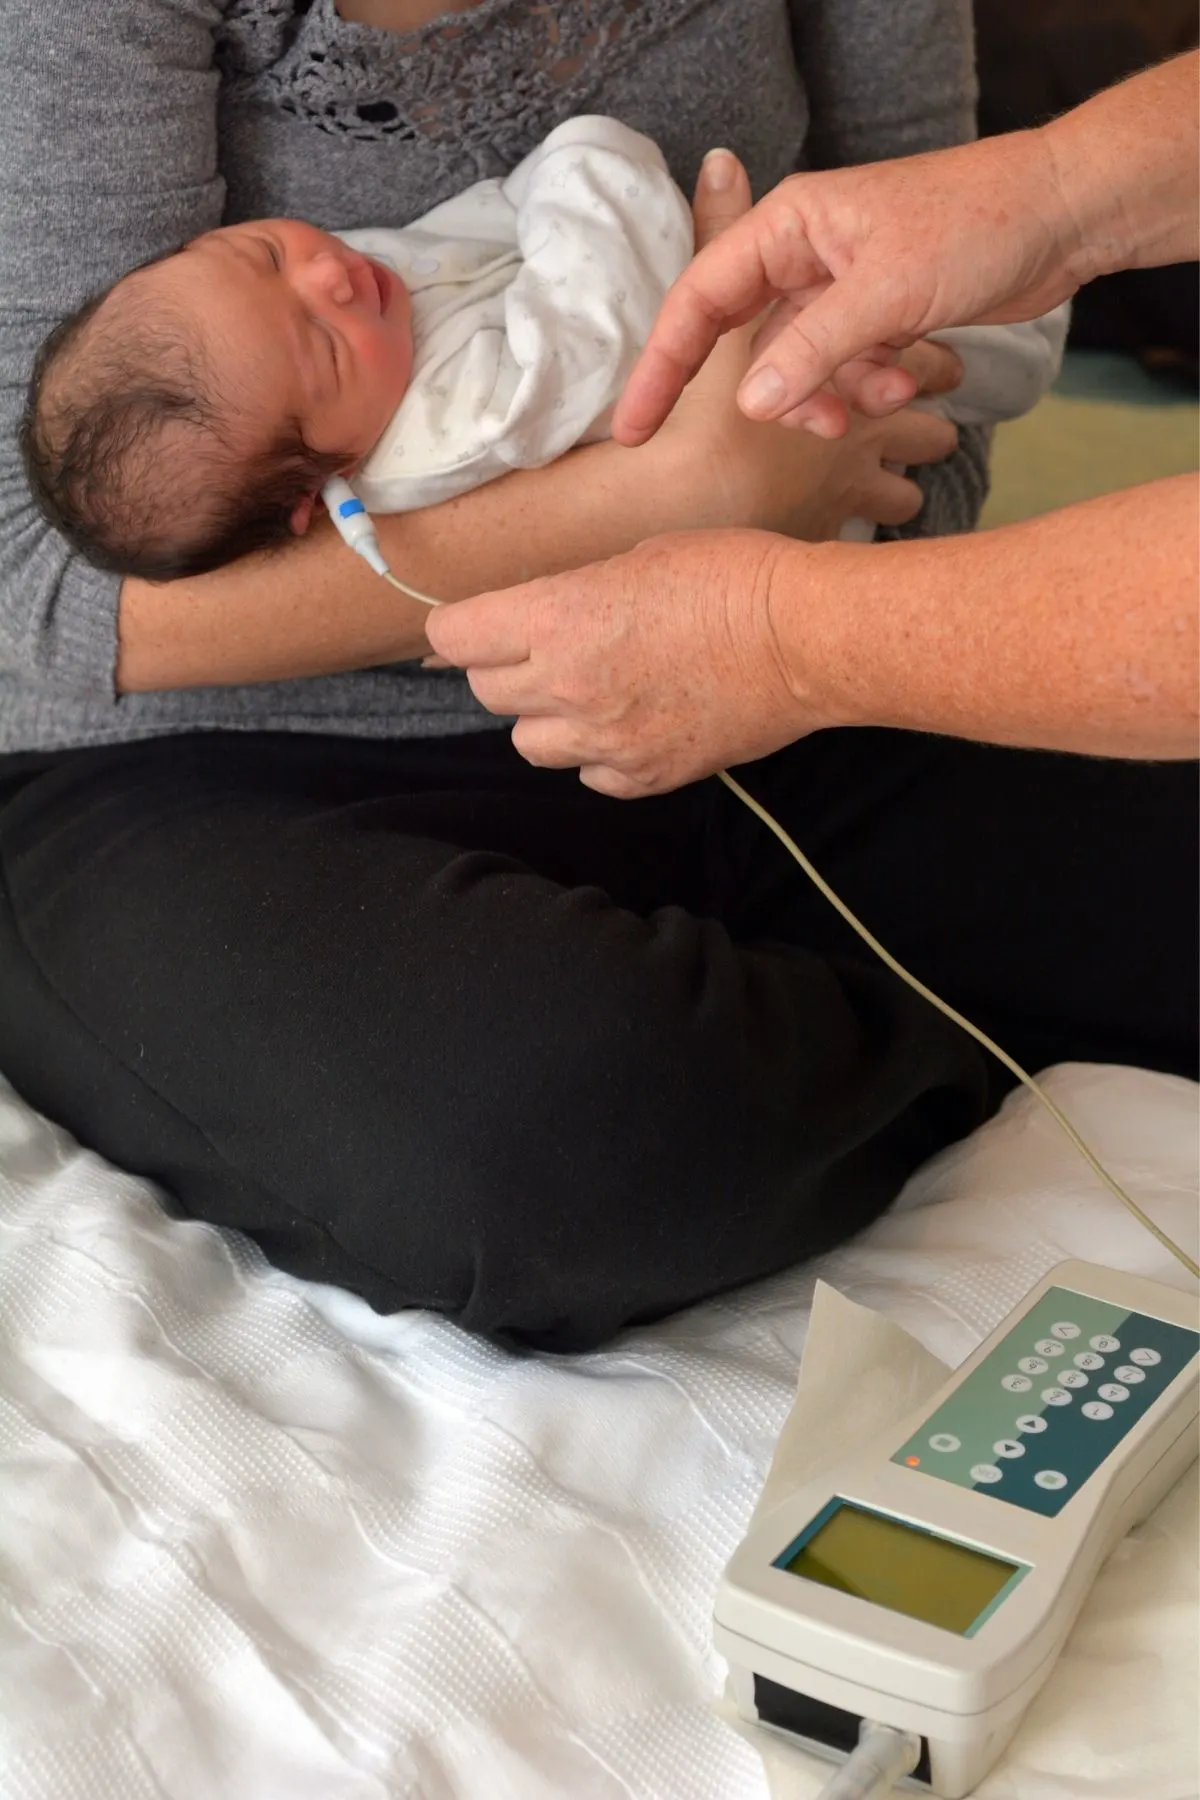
[257, 1543]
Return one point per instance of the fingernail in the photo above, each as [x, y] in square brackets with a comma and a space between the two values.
[718, 170]
[891, 392]
[762, 393]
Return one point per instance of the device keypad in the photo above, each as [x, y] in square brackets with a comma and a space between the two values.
[1040, 1414]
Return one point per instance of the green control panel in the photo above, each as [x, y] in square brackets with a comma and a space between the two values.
[1053, 1399]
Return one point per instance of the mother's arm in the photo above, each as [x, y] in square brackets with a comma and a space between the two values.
[108, 156]
[314, 608]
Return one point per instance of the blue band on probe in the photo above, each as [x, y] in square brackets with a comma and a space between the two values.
[348, 508]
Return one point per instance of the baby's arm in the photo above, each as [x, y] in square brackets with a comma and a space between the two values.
[604, 232]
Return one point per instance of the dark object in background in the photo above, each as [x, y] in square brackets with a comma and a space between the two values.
[1041, 57]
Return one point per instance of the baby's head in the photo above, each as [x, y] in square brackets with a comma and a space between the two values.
[193, 412]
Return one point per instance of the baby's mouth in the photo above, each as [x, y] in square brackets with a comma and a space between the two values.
[383, 285]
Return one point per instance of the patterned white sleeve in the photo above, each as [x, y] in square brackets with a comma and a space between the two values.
[515, 369]
[1006, 368]
[603, 232]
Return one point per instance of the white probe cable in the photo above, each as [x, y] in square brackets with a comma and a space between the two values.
[881, 1758]
[885, 956]
[354, 526]
[353, 523]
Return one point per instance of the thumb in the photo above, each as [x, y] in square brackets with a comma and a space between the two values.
[852, 316]
[663, 369]
[722, 195]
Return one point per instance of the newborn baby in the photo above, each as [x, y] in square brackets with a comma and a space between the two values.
[193, 412]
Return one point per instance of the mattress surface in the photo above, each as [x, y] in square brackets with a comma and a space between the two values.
[256, 1541]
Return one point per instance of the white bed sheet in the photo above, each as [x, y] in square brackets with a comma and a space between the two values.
[257, 1543]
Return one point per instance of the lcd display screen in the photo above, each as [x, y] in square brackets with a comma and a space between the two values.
[895, 1565]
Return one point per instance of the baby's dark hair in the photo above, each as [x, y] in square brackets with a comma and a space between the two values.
[134, 453]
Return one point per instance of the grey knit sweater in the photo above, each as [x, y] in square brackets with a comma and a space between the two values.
[127, 126]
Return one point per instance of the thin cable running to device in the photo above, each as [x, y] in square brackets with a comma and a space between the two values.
[981, 1037]
[355, 526]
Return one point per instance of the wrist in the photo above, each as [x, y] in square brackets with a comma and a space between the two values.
[1088, 227]
[813, 603]
[1124, 167]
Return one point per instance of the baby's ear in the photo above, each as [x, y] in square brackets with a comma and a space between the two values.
[302, 514]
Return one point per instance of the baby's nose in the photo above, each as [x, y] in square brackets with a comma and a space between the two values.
[330, 277]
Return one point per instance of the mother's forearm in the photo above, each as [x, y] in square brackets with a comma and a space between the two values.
[314, 608]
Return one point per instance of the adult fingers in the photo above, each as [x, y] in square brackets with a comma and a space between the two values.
[604, 780]
[825, 414]
[549, 743]
[510, 690]
[488, 631]
[892, 500]
[936, 368]
[722, 198]
[912, 437]
[874, 391]
[850, 317]
[726, 286]
[876, 385]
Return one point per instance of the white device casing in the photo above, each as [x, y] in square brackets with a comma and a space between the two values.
[964, 1694]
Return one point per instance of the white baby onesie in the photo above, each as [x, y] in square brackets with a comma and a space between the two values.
[533, 295]
[531, 299]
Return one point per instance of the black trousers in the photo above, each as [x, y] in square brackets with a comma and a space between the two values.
[455, 1032]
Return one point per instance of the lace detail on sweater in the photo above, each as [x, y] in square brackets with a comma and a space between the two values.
[490, 82]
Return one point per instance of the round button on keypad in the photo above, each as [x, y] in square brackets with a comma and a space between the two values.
[1073, 1378]
[1048, 1347]
[1016, 1384]
[1033, 1365]
[1031, 1424]
[1105, 1343]
[986, 1473]
[1145, 1359]
[1050, 1478]
[1096, 1409]
[1056, 1396]
[1087, 1359]
[1112, 1390]
[944, 1441]
[1065, 1328]
[1129, 1374]
[1009, 1448]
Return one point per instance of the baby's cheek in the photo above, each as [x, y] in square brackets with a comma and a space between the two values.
[389, 367]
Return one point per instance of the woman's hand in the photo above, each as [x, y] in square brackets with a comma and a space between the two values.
[645, 671]
[865, 260]
[731, 471]
[661, 664]
[738, 472]
[860, 262]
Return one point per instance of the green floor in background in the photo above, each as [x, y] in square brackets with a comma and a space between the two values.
[1105, 425]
